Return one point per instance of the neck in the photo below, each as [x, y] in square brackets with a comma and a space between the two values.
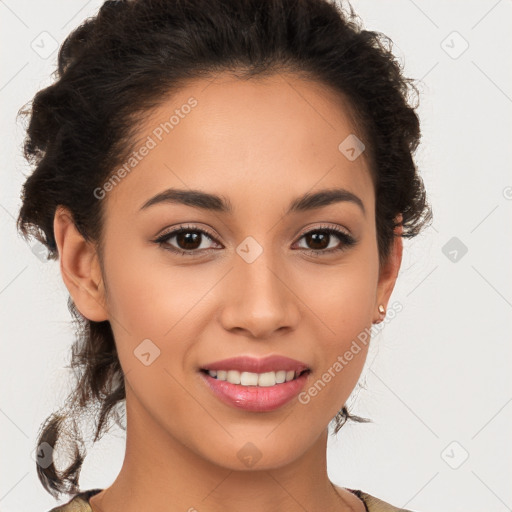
[161, 473]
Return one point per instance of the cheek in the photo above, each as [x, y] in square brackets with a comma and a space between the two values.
[148, 298]
[158, 313]
[344, 304]
[151, 309]
[342, 297]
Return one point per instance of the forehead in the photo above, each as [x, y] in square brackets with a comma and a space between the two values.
[249, 140]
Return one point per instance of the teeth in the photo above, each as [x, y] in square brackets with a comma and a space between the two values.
[280, 377]
[233, 377]
[253, 379]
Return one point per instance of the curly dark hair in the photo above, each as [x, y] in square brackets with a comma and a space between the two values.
[119, 65]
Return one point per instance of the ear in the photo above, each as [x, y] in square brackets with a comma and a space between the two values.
[79, 267]
[389, 271]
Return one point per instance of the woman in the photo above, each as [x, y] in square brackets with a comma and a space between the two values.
[226, 185]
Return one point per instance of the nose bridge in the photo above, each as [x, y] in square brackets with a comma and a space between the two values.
[258, 299]
[259, 278]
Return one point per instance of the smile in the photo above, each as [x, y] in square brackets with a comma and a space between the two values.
[255, 379]
[265, 397]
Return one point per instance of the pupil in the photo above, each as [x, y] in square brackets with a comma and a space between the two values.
[187, 238]
[323, 236]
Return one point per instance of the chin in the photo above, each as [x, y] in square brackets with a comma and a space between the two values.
[258, 451]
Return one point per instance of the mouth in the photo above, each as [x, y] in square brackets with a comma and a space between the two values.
[253, 379]
[254, 383]
[253, 392]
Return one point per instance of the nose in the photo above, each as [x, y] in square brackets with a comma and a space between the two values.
[259, 298]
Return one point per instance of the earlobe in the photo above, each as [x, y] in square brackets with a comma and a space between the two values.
[79, 267]
[389, 272]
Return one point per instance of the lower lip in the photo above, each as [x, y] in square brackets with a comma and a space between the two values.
[256, 398]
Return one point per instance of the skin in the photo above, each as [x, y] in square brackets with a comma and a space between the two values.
[257, 142]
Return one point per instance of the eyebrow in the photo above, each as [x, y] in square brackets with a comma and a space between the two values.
[221, 204]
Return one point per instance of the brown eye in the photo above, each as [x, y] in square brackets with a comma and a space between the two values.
[318, 240]
[323, 240]
[188, 240]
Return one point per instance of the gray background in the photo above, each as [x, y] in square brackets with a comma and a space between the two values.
[437, 380]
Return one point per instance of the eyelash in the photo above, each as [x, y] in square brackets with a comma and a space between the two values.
[347, 240]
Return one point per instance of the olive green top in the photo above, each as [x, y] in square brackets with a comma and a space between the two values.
[80, 503]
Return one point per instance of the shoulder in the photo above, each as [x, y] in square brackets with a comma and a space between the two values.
[79, 503]
[374, 504]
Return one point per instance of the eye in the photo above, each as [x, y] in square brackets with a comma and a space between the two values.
[189, 240]
[322, 237]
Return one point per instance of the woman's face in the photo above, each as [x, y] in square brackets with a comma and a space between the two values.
[253, 285]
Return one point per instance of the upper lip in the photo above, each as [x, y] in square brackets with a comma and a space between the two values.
[257, 365]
